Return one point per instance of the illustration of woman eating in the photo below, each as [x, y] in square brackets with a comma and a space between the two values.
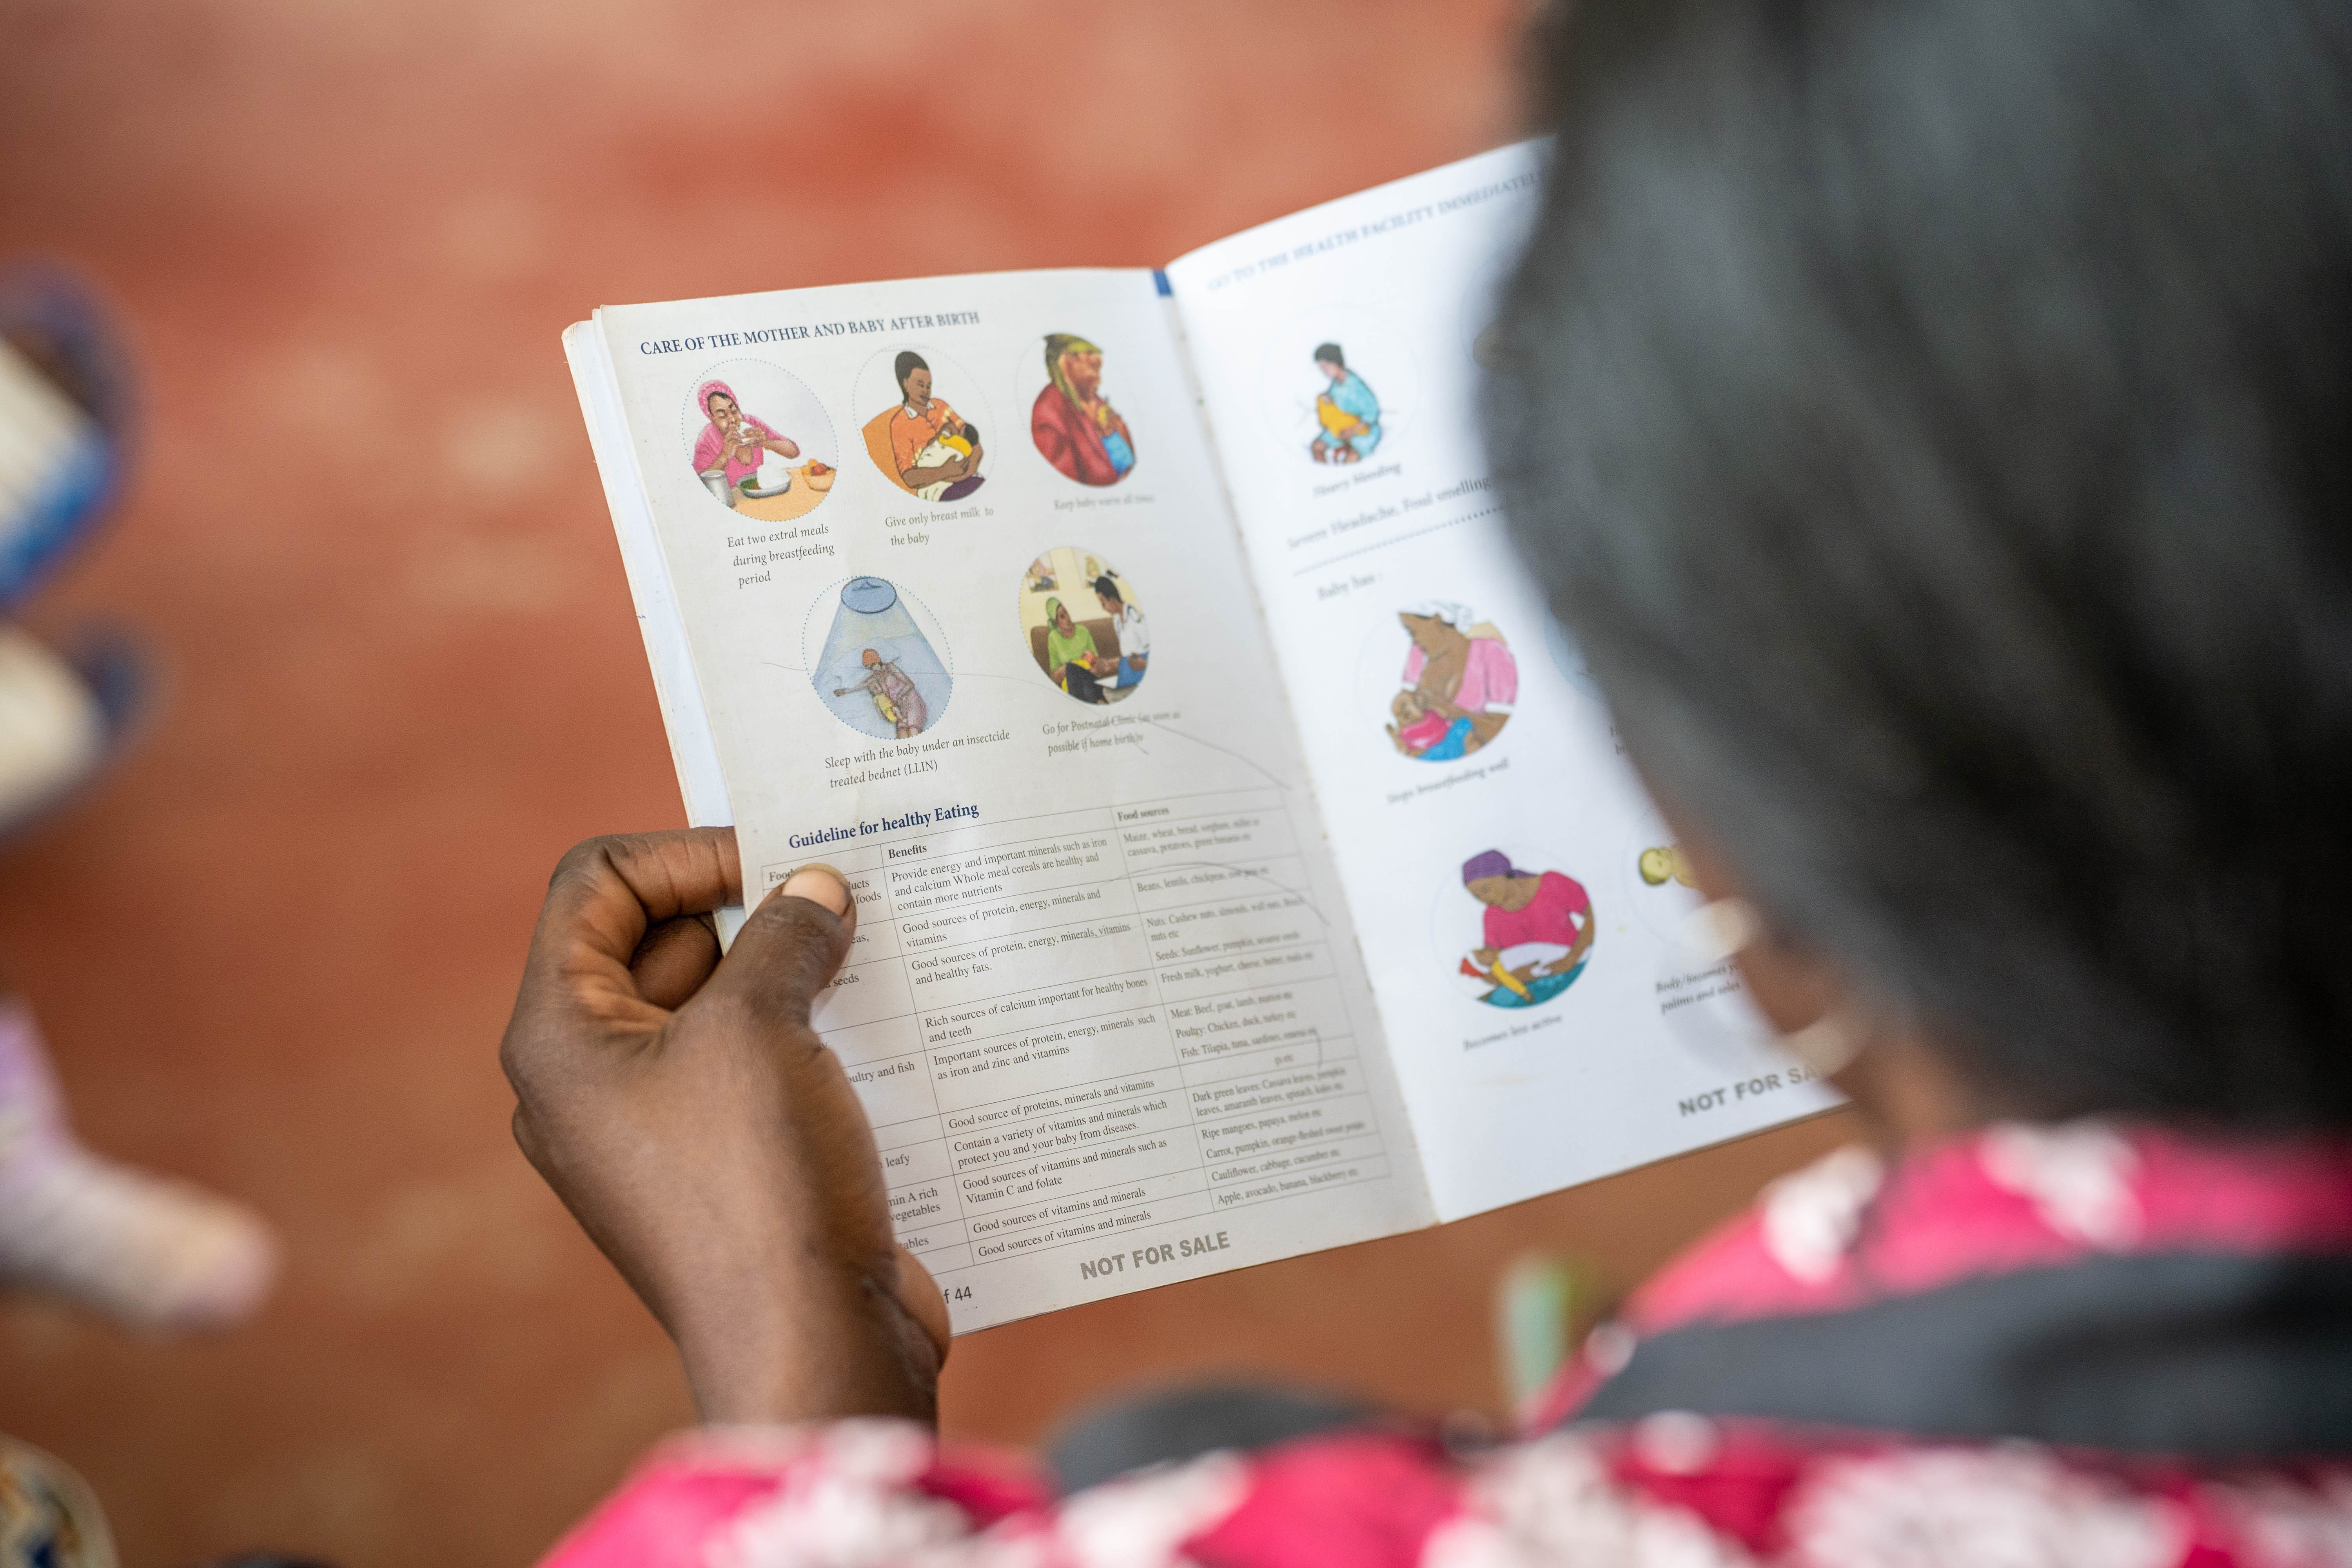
[1072, 660]
[895, 696]
[1075, 426]
[1526, 910]
[933, 450]
[1346, 415]
[1460, 681]
[727, 456]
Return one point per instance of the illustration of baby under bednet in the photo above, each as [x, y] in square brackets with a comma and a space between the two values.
[878, 672]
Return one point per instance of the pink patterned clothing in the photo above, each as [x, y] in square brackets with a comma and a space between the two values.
[1888, 1314]
[1490, 678]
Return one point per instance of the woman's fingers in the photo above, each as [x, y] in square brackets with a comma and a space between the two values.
[674, 960]
[791, 947]
[606, 895]
[607, 891]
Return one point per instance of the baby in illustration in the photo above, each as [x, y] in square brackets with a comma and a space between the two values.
[1666, 864]
[895, 696]
[1418, 733]
[728, 454]
[1536, 933]
[934, 450]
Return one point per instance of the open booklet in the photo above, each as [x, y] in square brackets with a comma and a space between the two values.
[1244, 861]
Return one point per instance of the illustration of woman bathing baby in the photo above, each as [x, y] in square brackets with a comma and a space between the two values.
[1459, 683]
[733, 445]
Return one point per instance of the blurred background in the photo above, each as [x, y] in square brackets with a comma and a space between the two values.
[274, 951]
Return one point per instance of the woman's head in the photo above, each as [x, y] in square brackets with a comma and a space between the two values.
[1935, 422]
[1434, 627]
[1074, 364]
[1492, 880]
[1108, 592]
[914, 377]
[1330, 361]
[1058, 615]
[719, 402]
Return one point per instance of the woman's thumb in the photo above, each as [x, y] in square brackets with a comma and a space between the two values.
[791, 946]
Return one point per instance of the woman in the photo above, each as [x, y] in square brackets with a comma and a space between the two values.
[1468, 682]
[936, 454]
[1547, 908]
[1929, 416]
[1072, 661]
[1134, 634]
[733, 444]
[1346, 415]
[1075, 426]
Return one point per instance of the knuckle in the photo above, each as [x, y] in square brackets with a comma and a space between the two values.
[583, 858]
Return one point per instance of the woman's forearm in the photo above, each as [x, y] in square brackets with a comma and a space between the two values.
[831, 1340]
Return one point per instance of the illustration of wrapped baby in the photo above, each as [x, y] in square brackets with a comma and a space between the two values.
[1346, 415]
[1666, 864]
[727, 456]
[924, 446]
[895, 696]
[1460, 681]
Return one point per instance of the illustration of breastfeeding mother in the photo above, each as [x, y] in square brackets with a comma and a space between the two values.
[925, 446]
[1459, 683]
[733, 445]
[1536, 934]
[1075, 426]
[1346, 415]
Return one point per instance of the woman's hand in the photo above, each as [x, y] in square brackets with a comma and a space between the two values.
[684, 1111]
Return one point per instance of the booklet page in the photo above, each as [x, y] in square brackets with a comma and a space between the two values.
[1517, 900]
[969, 620]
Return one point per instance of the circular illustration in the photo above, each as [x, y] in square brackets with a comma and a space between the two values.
[878, 669]
[1440, 681]
[1324, 381]
[1658, 886]
[1524, 934]
[1347, 413]
[922, 442]
[1073, 423]
[1084, 628]
[759, 440]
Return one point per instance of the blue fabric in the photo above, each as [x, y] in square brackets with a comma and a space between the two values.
[1129, 674]
[1540, 990]
[1122, 456]
[1352, 396]
[47, 308]
[38, 537]
[1454, 743]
